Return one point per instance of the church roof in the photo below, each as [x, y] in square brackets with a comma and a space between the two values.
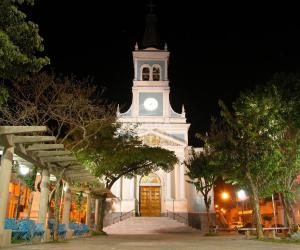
[151, 35]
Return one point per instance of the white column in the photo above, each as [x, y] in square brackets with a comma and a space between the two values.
[88, 209]
[181, 181]
[44, 197]
[176, 181]
[5, 174]
[67, 206]
[168, 187]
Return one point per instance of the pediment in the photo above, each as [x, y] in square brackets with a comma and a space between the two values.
[158, 138]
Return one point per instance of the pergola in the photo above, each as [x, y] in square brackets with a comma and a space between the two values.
[23, 143]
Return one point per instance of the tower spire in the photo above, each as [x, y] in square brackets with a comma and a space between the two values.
[151, 36]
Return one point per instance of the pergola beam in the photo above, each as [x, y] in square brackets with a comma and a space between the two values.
[5, 130]
[32, 139]
[58, 159]
[51, 153]
[78, 174]
[37, 147]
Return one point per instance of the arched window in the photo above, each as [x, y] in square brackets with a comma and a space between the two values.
[146, 74]
[150, 179]
[156, 73]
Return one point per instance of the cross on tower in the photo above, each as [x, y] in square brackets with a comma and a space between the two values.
[151, 6]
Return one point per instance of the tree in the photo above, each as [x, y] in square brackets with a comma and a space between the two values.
[251, 147]
[20, 42]
[66, 105]
[204, 167]
[288, 86]
[118, 153]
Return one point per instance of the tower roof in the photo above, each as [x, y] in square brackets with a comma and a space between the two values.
[151, 35]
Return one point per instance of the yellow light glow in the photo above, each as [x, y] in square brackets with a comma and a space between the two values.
[225, 196]
[216, 206]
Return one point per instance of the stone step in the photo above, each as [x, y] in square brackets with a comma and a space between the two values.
[148, 225]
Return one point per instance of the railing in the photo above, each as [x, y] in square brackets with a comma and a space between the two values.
[124, 216]
[178, 217]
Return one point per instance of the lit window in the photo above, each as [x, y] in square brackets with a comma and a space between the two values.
[146, 74]
[156, 73]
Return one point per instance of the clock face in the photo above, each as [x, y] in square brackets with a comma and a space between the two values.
[150, 104]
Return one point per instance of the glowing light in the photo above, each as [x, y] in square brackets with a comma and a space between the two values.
[216, 206]
[66, 187]
[223, 210]
[225, 196]
[24, 170]
[242, 195]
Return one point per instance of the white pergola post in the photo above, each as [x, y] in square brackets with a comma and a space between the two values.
[5, 174]
[66, 212]
[96, 211]
[88, 209]
[45, 185]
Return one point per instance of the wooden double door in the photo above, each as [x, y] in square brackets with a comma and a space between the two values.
[150, 201]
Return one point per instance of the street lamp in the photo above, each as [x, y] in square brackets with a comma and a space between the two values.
[242, 197]
[225, 196]
[24, 170]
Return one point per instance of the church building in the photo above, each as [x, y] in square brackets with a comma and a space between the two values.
[159, 193]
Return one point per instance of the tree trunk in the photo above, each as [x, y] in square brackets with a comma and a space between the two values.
[30, 200]
[256, 207]
[56, 204]
[207, 206]
[56, 210]
[102, 201]
[289, 213]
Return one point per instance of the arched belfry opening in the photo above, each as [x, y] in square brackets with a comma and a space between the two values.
[150, 195]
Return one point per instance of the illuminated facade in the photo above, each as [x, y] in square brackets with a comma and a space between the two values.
[157, 125]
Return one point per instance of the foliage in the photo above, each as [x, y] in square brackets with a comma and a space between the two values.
[251, 149]
[254, 130]
[79, 197]
[3, 95]
[204, 167]
[20, 42]
[72, 109]
[30, 179]
[113, 154]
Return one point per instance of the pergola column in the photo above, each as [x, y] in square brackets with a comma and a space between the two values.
[5, 175]
[88, 209]
[96, 211]
[66, 212]
[45, 185]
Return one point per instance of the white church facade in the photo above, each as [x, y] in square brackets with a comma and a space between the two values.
[157, 125]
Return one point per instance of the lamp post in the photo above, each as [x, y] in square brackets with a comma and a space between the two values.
[23, 170]
[274, 212]
[242, 197]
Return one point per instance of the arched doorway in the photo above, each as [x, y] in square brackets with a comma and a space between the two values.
[150, 195]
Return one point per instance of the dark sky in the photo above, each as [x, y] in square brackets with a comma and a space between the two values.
[216, 50]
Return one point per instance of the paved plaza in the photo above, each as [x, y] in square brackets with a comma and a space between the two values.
[160, 241]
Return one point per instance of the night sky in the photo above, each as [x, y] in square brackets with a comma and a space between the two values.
[216, 51]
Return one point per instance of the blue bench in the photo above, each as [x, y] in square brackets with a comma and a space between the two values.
[62, 231]
[79, 229]
[39, 229]
[12, 224]
[26, 229]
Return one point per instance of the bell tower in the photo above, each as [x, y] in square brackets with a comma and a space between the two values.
[157, 123]
[150, 91]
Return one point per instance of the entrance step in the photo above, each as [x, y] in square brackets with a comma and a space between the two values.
[149, 225]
